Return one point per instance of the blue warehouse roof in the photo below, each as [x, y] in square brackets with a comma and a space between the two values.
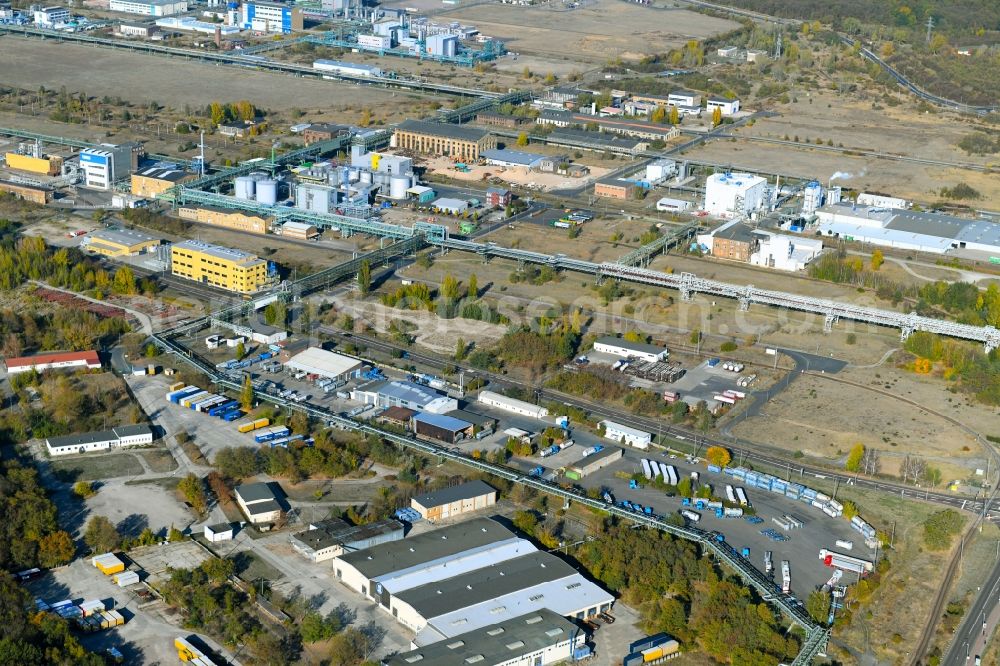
[512, 156]
[443, 421]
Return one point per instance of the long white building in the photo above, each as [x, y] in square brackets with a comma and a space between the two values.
[117, 437]
[149, 7]
[623, 434]
[615, 346]
[512, 405]
[907, 229]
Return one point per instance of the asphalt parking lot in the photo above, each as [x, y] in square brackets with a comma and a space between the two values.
[703, 382]
[801, 550]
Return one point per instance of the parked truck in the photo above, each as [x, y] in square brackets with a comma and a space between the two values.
[786, 577]
[768, 565]
[672, 475]
[645, 469]
[741, 496]
[731, 494]
[691, 515]
[271, 433]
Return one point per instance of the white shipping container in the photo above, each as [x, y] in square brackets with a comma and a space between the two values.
[846, 545]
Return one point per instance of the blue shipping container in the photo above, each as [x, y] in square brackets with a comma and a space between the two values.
[233, 415]
[177, 397]
[715, 468]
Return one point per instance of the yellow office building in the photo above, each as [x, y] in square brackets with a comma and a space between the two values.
[223, 267]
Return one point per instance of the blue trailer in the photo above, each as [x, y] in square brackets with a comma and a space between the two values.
[220, 410]
[233, 415]
[177, 396]
[285, 441]
[271, 433]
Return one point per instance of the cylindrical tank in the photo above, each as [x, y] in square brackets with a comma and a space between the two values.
[267, 191]
[245, 187]
[259, 175]
[398, 186]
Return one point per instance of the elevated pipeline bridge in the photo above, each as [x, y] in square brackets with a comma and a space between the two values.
[689, 284]
[239, 60]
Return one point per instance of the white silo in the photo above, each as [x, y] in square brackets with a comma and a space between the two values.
[244, 186]
[267, 191]
[398, 186]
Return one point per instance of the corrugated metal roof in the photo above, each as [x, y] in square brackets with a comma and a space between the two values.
[422, 549]
[454, 493]
[491, 582]
[443, 421]
[497, 643]
[613, 341]
[321, 362]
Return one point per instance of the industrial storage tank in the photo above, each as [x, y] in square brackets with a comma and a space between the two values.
[245, 187]
[267, 191]
[398, 186]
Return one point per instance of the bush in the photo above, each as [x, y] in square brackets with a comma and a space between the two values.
[728, 346]
[84, 489]
[941, 527]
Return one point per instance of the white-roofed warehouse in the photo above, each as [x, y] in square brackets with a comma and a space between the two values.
[455, 579]
[316, 361]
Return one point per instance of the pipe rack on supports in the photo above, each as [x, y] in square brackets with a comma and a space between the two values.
[688, 284]
[642, 255]
[77, 143]
[463, 113]
[238, 60]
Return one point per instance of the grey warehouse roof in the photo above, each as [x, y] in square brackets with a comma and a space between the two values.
[442, 421]
[492, 582]
[427, 547]
[121, 236]
[255, 492]
[335, 531]
[407, 391]
[512, 156]
[735, 232]
[101, 436]
[493, 644]
[634, 346]
[606, 452]
[447, 130]
[454, 493]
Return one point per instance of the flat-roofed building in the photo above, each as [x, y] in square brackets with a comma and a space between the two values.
[223, 267]
[443, 609]
[322, 363]
[448, 551]
[456, 500]
[626, 435]
[119, 242]
[149, 7]
[459, 142]
[593, 462]
[331, 538]
[538, 638]
[614, 188]
[144, 30]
